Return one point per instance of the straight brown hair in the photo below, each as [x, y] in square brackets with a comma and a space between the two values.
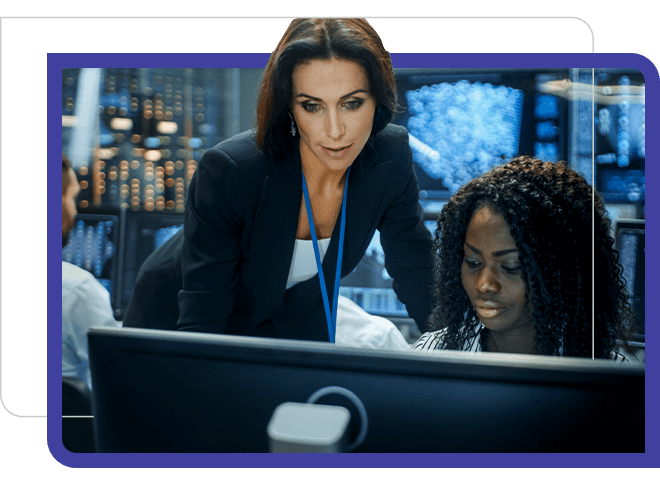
[313, 39]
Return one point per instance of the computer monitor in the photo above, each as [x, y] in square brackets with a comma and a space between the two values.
[143, 233]
[619, 137]
[462, 122]
[369, 285]
[94, 244]
[630, 242]
[157, 391]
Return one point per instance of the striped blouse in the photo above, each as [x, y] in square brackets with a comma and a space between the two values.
[431, 341]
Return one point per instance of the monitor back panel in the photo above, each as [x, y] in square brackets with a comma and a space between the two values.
[170, 392]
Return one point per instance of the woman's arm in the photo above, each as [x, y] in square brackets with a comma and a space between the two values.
[406, 241]
[211, 248]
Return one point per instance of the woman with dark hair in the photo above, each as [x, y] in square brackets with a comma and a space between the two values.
[513, 267]
[271, 224]
[321, 40]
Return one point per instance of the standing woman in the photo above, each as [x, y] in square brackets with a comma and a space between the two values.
[276, 216]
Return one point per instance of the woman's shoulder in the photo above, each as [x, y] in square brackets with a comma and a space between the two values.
[617, 357]
[236, 159]
[428, 341]
[240, 148]
[390, 146]
[433, 340]
[392, 136]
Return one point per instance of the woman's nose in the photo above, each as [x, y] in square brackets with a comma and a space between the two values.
[334, 125]
[487, 281]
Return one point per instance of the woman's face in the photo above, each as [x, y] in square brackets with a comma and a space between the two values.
[492, 277]
[334, 112]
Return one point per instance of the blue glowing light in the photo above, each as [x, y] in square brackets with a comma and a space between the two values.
[460, 130]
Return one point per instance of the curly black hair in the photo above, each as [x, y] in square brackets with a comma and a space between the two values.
[551, 211]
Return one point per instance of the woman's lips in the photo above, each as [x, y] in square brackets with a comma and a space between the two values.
[336, 153]
[488, 311]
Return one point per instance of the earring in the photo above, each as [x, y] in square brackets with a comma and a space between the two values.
[293, 125]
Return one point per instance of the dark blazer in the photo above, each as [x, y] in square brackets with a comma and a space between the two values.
[240, 228]
[154, 302]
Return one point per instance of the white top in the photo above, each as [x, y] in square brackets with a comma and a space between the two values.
[85, 303]
[355, 327]
[303, 262]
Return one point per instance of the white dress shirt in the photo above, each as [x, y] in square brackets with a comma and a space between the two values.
[303, 262]
[85, 303]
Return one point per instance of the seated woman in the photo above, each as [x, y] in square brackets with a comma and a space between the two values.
[513, 267]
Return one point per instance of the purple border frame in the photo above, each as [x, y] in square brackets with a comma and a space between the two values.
[58, 62]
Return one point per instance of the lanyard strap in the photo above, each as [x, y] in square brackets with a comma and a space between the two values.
[330, 317]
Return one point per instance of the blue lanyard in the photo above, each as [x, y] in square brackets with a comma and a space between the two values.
[330, 317]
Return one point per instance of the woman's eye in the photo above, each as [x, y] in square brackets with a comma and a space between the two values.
[511, 269]
[353, 105]
[310, 107]
[472, 264]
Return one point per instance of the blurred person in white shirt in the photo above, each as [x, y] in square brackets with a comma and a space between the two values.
[85, 302]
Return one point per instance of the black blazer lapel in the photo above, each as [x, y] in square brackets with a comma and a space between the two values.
[274, 232]
[276, 222]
